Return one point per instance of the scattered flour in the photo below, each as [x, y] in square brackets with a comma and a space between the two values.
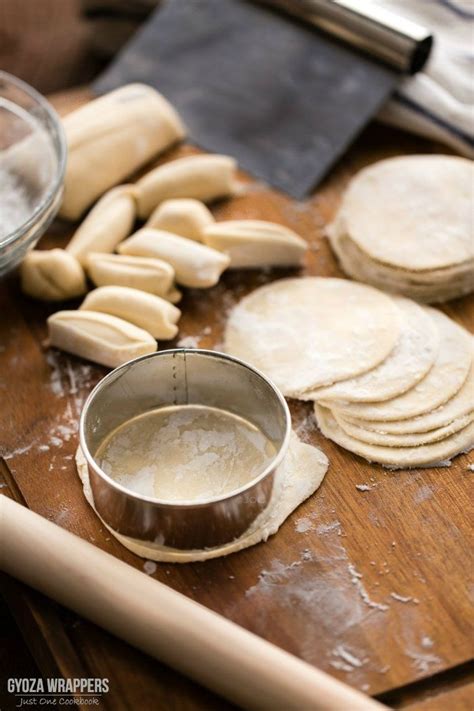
[423, 661]
[302, 525]
[364, 595]
[306, 427]
[404, 598]
[189, 342]
[348, 657]
[363, 487]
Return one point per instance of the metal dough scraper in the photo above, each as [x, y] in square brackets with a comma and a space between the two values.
[284, 86]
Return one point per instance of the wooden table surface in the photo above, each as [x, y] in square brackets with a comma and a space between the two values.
[370, 586]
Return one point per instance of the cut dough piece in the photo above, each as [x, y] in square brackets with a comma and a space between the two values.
[144, 273]
[458, 406]
[402, 440]
[52, 275]
[299, 477]
[424, 455]
[102, 338]
[147, 311]
[107, 224]
[313, 331]
[195, 265]
[202, 177]
[111, 137]
[413, 212]
[428, 287]
[184, 217]
[445, 378]
[256, 243]
[407, 364]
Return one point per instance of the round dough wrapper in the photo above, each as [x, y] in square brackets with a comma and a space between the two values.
[308, 332]
[302, 473]
[413, 212]
[424, 455]
[410, 360]
[460, 405]
[402, 440]
[428, 287]
[444, 380]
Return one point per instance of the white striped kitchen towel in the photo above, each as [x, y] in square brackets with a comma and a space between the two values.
[438, 102]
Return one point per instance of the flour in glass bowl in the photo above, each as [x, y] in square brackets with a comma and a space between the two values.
[15, 203]
[27, 165]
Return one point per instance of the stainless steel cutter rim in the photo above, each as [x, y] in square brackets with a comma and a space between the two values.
[271, 467]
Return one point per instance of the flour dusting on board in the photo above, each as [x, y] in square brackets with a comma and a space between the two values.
[70, 382]
[302, 525]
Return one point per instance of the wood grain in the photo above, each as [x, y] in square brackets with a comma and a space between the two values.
[322, 587]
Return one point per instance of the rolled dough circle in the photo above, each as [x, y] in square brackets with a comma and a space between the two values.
[413, 212]
[402, 440]
[302, 472]
[460, 405]
[304, 333]
[424, 455]
[410, 360]
[445, 379]
[429, 286]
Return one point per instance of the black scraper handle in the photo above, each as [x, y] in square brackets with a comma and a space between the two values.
[395, 40]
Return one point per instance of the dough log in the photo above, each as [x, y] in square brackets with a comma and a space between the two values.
[110, 138]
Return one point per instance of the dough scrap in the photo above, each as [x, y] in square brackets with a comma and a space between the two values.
[460, 405]
[110, 138]
[409, 361]
[147, 311]
[195, 265]
[145, 273]
[201, 177]
[441, 383]
[413, 212]
[184, 217]
[299, 477]
[402, 440]
[107, 224]
[99, 337]
[52, 275]
[312, 331]
[424, 455]
[256, 243]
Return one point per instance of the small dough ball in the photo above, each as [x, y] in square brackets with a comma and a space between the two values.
[147, 311]
[99, 337]
[52, 275]
[195, 265]
[152, 275]
[256, 243]
[184, 217]
[108, 223]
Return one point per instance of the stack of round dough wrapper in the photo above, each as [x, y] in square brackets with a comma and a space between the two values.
[392, 380]
[406, 225]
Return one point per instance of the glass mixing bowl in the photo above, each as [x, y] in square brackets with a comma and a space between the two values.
[32, 163]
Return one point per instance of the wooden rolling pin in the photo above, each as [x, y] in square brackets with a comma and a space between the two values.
[163, 623]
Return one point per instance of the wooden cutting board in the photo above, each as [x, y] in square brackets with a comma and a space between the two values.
[370, 584]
